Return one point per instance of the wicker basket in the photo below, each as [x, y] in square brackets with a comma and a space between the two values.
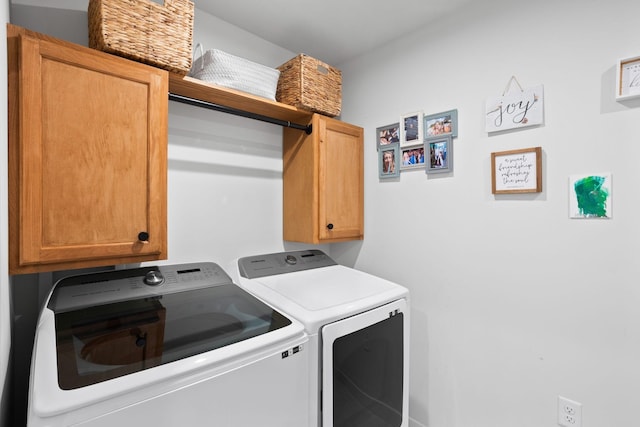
[310, 84]
[144, 31]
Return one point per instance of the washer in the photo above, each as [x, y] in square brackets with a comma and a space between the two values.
[165, 346]
[358, 327]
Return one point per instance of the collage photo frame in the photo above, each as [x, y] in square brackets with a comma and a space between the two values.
[417, 141]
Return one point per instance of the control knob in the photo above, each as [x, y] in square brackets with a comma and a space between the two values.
[291, 260]
[153, 278]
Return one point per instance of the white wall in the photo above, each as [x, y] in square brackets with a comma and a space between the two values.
[513, 303]
[225, 172]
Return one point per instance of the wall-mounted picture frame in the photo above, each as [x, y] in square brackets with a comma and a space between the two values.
[590, 196]
[440, 154]
[444, 123]
[412, 156]
[411, 128]
[386, 135]
[628, 78]
[516, 171]
[517, 109]
[389, 161]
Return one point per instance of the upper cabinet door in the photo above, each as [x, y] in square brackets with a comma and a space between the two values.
[88, 157]
[323, 179]
[341, 180]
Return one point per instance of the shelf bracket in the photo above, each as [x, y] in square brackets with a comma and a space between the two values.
[211, 106]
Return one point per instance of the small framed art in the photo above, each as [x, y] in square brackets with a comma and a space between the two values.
[445, 123]
[628, 78]
[440, 154]
[411, 129]
[389, 161]
[386, 135]
[590, 196]
[516, 171]
[412, 157]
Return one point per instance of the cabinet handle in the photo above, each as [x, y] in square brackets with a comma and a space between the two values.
[330, 226]
[143, 236]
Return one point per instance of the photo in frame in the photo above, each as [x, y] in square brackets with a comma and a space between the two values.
[389, 161]
[411, 129]
[386, 135]
[516, 171]
[412, 157]
[445, 123]
[440, 154]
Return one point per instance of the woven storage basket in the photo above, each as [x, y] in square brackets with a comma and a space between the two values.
[159, 35]
[310, 84]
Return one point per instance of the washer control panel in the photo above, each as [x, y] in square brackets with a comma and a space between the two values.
[153, 278]
[74, 292]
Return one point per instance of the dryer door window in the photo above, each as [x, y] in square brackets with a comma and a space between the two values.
[364, 379]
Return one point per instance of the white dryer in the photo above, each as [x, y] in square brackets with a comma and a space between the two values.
[165, 346]
[358, 327]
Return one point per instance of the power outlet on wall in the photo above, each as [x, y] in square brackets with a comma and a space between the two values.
[569, 412]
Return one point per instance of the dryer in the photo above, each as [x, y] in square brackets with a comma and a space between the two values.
[358, 327]
[165, 346]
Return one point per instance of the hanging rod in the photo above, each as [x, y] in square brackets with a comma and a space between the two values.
[236, 112]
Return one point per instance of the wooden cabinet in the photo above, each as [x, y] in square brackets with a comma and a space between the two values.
[324, 182]
[87, 156]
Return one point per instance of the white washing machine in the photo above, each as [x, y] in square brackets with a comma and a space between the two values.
[166, 346]
[358, 327]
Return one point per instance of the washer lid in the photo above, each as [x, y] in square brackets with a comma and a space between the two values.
[109, 328]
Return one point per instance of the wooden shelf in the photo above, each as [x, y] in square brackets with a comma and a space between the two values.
[208, 92]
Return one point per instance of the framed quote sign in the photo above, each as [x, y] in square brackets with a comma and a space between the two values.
[516, 171]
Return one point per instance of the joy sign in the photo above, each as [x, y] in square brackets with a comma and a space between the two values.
[517, 109]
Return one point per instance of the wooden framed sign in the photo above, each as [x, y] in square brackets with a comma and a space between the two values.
[516, 171]
[628, 78]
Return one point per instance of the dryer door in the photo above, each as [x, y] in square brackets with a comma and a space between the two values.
[365, 369]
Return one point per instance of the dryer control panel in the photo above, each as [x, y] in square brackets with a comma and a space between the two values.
[257, 266]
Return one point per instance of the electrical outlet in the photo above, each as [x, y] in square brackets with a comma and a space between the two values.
[569, 412]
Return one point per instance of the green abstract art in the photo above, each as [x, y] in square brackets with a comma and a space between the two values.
[590, 196]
